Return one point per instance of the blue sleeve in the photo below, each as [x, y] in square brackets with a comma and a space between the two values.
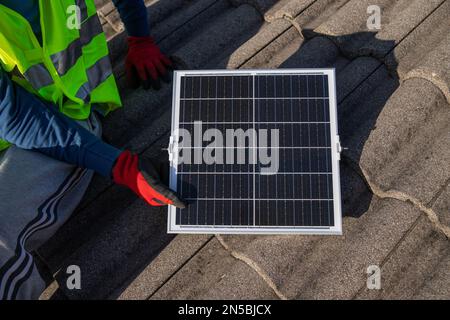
[32, 124]
[134, 16]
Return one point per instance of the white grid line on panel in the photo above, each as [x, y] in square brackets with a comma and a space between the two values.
[219, 228]
[206, 180]
[259, 98]
[258, 173]
[249, 214]
[284, 163]
[215, 165]
[276, 180]
[259, 122]
[232, 114]
[306, 148]
[254, 166]
[293, 158]
[259, 199]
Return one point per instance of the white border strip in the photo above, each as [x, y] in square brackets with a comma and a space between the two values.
[335, 146]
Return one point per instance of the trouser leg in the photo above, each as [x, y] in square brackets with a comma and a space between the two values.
[37, 195]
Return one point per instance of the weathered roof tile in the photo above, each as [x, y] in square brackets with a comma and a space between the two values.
[417, 269]
[224, 35]
[177, 252]
[409, 142]
[232, 279]
[314, 267]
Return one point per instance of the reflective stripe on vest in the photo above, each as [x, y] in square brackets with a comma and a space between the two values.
[66, 59]
[38, 76]
[98, 73]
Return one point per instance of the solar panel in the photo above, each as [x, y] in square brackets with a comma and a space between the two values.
[255, 151]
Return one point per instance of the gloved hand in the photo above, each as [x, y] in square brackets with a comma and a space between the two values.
[145, 63]
[141, 176]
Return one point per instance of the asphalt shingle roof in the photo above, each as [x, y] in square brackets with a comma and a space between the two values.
[394, 118]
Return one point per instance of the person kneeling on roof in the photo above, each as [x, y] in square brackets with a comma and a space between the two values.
[54, 80]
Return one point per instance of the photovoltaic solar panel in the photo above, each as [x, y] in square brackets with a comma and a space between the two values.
[280, 174]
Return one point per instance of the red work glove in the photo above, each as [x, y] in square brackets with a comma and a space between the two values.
[141, 176]
[145, 63]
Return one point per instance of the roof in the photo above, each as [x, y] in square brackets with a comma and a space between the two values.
[394, 118]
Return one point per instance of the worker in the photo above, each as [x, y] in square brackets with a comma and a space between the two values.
[55, 81]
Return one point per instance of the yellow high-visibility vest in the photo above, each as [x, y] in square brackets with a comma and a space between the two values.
[71, 68]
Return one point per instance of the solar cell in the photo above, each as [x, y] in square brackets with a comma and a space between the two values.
[255, 152]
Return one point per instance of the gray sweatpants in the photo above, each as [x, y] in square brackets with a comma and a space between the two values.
[37, 195]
